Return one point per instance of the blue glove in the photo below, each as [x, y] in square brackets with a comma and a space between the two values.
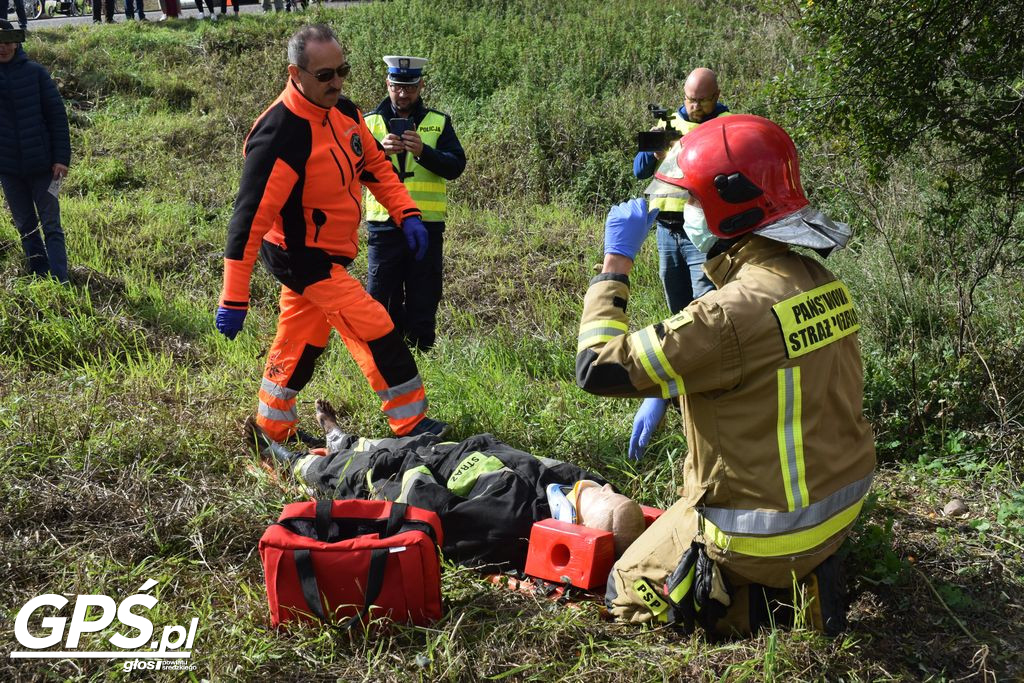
[627, 226]
[645, 423]
[416, 236]
[229, 321]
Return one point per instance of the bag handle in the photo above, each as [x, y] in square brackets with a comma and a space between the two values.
[374, 578]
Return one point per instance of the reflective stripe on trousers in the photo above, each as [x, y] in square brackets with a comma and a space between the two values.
[303, 328]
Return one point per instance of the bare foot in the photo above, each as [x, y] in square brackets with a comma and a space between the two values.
[326, 415]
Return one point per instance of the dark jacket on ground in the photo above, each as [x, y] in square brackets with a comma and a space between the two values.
[487, 494]
[34, 132]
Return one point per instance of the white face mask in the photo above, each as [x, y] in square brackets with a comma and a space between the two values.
[696, 227]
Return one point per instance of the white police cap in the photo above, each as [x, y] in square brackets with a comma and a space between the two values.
[402, 69]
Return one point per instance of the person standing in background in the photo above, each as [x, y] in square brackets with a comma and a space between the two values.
[425, 153]
[35, 153]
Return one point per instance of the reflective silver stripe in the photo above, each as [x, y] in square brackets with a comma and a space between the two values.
[278, 415]
[787, 392]
[770, 522]
[409, 480]
[548, 462]
[277, 391]
[669, 376]
[408, 410]
[597, 335]
[403, 388]
[483, 477]
[301, 466]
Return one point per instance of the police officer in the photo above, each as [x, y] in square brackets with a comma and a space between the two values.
[768, 367]
[426, 153]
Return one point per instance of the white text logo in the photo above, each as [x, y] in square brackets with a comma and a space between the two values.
[94, 613]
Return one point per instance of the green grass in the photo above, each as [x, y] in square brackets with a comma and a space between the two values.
[121, 406]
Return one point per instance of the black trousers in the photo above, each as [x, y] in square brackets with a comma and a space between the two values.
[410, 290]
[108, 9]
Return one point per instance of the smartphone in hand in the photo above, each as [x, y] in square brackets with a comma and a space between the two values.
[397, 126]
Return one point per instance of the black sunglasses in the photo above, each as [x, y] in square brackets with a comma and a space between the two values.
[324, 75]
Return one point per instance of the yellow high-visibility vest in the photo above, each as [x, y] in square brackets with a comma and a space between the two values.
[674, 203]
[427, 189]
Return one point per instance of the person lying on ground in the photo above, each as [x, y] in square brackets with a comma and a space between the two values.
[486, 493]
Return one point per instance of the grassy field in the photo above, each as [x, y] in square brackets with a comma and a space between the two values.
[121, 406]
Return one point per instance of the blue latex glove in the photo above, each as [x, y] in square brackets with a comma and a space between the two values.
[416, 236]
[645, 423]
[229, 321]
[627, 226]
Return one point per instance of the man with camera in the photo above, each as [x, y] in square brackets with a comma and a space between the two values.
[680, 262]
[425, 153]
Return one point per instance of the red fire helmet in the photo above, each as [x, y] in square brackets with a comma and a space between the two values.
[744, 171]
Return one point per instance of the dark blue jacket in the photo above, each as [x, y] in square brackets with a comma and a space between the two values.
[34, 131]
[644, 163]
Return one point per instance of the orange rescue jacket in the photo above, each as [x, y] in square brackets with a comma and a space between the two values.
[300, 198]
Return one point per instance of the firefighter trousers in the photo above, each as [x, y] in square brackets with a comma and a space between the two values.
[303, 328]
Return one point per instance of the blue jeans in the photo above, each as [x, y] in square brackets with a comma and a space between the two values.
[410, 290]
[679, 265]
[27, 195]
[130, 7]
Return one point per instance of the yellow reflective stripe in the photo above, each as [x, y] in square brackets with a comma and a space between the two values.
[599, 332]
[410, 477]
[650, 597]
[674, 204]
[683, 588]
[369, 482]
[428, 206]
[648, 368]
[816, 318]
[783, 544]
[425, 186]
[791, 438]
[657, 366]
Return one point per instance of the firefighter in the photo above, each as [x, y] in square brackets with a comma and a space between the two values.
[768, 368]
[487, 494]
[299, 204]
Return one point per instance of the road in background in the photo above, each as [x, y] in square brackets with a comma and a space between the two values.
[188, 11]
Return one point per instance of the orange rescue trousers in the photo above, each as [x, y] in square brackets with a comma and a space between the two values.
[303, 328]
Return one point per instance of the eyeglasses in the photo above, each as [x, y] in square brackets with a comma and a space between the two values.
[324, 75]
[702, 101]
[403, 87]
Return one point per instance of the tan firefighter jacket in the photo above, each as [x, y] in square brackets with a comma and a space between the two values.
[769, 371]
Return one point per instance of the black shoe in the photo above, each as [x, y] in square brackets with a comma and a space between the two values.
[307, 439]
[267, 448]
[429, 426]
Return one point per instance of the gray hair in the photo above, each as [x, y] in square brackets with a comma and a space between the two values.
[317, 33]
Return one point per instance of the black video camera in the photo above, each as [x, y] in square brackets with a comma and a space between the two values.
[658, 140]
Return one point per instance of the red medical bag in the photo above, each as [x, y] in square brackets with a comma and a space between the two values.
[332, 559]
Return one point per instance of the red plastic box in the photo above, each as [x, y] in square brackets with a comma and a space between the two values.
[560, 551]
[650, 514]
